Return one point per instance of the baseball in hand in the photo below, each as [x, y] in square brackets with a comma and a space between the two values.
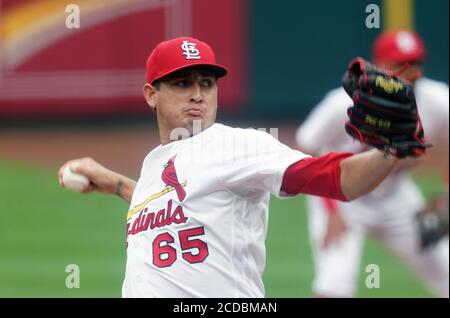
[74, 181]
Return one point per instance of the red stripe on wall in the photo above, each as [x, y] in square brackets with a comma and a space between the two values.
[116, 47]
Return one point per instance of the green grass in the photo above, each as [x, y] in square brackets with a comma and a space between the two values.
[44, 228]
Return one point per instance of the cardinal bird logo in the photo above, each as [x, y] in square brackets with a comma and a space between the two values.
[169, 177]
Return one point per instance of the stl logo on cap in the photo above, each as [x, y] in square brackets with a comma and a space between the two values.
[175, 54]
[190, 50]
[406, 42]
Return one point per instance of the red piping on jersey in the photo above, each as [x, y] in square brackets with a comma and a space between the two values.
[330, 205]
[320, 176]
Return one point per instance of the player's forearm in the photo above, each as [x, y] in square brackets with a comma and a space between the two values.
[124, 187]
[362, 173]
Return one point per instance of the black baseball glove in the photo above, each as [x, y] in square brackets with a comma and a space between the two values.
[433, 220]
[384, 112]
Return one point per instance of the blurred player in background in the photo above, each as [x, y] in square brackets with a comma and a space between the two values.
[389, 214]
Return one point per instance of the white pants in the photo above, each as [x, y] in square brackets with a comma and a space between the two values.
[390, 222]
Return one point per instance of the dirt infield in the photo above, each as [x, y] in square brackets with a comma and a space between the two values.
[120, 148]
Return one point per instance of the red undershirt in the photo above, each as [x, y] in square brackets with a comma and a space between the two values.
[320, 176]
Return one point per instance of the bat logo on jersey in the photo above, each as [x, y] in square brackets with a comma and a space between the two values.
[169, 177]
[190, 50]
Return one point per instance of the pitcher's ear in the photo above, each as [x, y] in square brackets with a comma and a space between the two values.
[150, 93]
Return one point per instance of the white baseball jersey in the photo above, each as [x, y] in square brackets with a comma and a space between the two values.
[324, 131]
[198, 216]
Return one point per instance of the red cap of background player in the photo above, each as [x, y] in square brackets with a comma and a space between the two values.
[399, 46]
[176, 54]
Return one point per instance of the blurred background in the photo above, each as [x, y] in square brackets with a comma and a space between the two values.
[72, 92]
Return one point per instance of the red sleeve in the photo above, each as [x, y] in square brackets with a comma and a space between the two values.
[319, 176]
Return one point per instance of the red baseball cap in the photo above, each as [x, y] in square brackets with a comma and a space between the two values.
[399, 46]
[176, 54]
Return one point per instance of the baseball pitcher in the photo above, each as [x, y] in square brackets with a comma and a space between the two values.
[198, 213]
